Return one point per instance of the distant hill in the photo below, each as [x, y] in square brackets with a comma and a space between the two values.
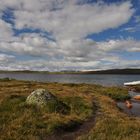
[115, 71]
[110, 71]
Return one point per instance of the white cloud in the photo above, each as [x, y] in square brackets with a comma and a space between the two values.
[41, 65]
[73, 21]
[69, 20]
[68, 23]
[135, 27]
[6, 58]
[5, 31]
[87, 55]
[28, 44]
[128, 45]
[129, 29]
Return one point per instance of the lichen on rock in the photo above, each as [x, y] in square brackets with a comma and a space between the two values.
[40, 97]
[45, 99]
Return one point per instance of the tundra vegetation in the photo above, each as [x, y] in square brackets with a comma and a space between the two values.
[21, 121]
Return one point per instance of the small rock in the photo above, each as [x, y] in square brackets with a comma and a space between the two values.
[137, 97]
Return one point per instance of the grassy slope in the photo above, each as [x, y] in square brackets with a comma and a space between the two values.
[19, 121]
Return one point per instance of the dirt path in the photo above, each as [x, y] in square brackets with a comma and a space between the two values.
[84, 128]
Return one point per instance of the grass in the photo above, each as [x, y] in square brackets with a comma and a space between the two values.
[28, 122]
[79, 106]
[116, 93]
[21, 121]
[111, 124]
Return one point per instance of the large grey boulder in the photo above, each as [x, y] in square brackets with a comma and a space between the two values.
[40, 97]
[45, 99]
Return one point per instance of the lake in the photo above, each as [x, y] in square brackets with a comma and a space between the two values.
[107, 80]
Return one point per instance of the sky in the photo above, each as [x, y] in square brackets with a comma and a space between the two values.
[56, 35]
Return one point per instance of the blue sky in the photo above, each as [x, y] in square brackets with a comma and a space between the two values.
[69, 34]
[122, 30]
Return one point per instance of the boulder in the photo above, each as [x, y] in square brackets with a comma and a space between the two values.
[46, 100]
[40, 97]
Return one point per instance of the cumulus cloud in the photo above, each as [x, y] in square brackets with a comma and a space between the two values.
[5, 31]
[68, 22]
[6, 61]
[28, 44]
[42, 65]
[135, 27]
[95, 55]
[6, 58]
[66, 19]
[129, 45]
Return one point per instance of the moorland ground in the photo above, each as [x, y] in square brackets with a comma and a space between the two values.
[86, 102]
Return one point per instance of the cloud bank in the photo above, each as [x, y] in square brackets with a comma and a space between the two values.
[52, 35]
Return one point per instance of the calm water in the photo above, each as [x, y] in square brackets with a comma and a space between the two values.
[107, 80]
[135, 110]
